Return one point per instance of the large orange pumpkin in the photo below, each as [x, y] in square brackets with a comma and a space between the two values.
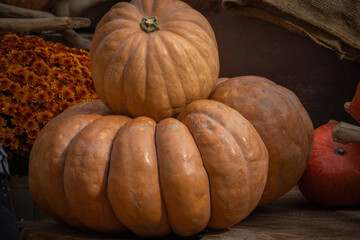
[151, 58]
[109, 173]
[282, 122]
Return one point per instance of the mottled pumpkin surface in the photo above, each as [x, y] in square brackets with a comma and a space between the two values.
[113, 174]
[153, 73]
[234, 157]
[281, 121]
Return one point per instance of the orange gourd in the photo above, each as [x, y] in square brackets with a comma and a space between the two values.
[281, 121]
[113, 174]
[151, 58]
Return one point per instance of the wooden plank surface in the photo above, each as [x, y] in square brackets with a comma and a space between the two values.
[290, 217]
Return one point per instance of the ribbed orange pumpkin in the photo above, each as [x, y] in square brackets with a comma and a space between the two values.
[151, 58]
[281, 121]
[109, 173]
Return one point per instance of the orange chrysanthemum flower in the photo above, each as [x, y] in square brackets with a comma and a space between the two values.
[30, 78]
[41, 96]
[67, 93]
[27, 113]
[21, 95]
[35, 104]
[58, 85]
[19, 71]
[3, 62]
[13, 88]
[82, 92]
[14, 55]
[64, 105]
[30, 53]
[51, 105]
[42, 52]
[55, 59]
[17, 121]
[18, 130]
[10, 109]
[67, 62]
[57, 110]
[75, 72]
[40, 66]
[44, 85]
[69, 80]
[38, 80]
[2, 122]
[10, 38]
[44, 116]
[2, 106]
[25, 59]
[8, 138]
[89, 83]
[30, 124]
[85, 72]
[30, 90]
[33, 133]
[5, 84]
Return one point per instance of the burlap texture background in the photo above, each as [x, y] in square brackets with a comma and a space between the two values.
[334, 24]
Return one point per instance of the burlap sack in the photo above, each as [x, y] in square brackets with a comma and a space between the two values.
[334, 24]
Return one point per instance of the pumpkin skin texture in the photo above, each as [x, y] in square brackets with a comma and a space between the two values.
[184, 182]
[47, 159]
[332, 176]
[86, 167]
[234, 156]
[137, 199]
[281, 121]
[156, 73]
[120, 174]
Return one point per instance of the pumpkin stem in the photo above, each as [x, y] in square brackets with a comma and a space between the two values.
[340, 151]
[149, 24]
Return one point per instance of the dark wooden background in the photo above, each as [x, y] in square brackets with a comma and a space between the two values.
[248, 46]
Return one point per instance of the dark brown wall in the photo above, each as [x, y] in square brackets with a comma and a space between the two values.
[248, 46]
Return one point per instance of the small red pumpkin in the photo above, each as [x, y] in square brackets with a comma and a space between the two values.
[332, 176]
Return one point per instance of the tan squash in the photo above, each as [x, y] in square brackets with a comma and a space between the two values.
[151, 58]
[109, 173]
[281, 121]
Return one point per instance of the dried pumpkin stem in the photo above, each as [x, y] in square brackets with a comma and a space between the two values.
[345, 133]
[149, 24]
[340, 151]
